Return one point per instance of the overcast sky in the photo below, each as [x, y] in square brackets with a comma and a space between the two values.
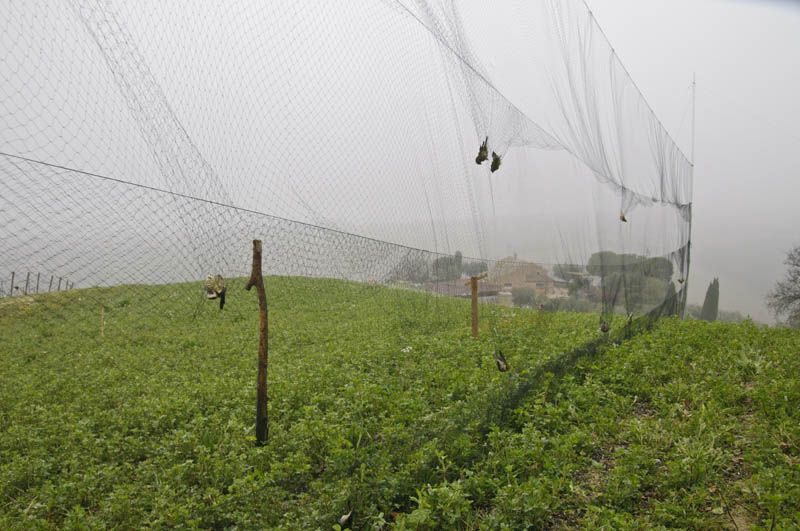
[747, 178]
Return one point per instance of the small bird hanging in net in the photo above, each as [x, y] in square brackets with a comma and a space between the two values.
[502, 364]
[495, 162]
[483, 152]
[622, 217]
[215, 289]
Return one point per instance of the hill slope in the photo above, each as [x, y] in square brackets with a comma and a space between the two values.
[381, 404]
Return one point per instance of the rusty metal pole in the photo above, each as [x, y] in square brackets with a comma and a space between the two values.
[262, 419]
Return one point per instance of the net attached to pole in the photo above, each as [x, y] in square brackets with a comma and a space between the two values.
[148, 143]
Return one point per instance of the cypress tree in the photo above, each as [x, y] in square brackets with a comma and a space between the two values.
[711, 303]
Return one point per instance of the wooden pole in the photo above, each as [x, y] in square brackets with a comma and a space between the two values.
[50, 287]
[11, 291]
[262, 420]
[102, 318]
[473, 282]
[27, 282]
[59, 284]
[37, 282]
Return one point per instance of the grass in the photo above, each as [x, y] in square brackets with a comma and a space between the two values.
[381, 404]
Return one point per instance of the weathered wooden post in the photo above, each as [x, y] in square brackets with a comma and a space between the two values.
[11, 291]
[262, 420]
[102, 318]
[37, 282]
[473, 282]
[50, 287]
[27, 282]
[59, 284]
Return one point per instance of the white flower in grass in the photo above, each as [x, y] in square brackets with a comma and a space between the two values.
[406, 350]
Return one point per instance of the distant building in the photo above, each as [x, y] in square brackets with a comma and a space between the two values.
[511, 273]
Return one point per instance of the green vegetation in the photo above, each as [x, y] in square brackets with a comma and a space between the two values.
[523, 297]
[382, 405]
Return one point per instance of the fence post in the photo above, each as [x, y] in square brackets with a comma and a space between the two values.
[59, 284]
[102, 318]
[37, 282]
[27, 282]
[11, 291]
[50, 287]
[473, 283]
[262, 419]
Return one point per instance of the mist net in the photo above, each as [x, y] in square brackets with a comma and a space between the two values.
[397, 142]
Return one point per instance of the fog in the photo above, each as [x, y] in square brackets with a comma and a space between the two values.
[745, 56]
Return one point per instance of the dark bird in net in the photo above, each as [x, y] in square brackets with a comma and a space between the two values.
[502, 364]
[622, 218]
[495, 162]
[483, 152]
[215, 289]
[604, 326]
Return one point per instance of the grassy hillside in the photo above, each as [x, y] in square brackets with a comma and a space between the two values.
[381, 404]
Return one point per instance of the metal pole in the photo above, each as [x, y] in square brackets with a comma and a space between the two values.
[694, 102]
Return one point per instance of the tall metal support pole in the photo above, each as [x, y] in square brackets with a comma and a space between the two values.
[694, 102]
[262, 420]
[689, 243]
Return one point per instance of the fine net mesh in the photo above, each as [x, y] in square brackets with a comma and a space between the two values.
[148, 143]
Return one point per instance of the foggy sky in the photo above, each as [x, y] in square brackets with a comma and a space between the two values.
[746, 185]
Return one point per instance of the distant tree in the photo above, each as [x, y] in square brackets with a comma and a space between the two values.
[731, 317]
[447, 267]
[579, 285]
[659, 267]
[414, 269]
[693, 310]
[567, 271]
[523, 297]
[474, 269]
[670, 305]
[711, 303]
[784, 299]
[604, 263]
[459, 260]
